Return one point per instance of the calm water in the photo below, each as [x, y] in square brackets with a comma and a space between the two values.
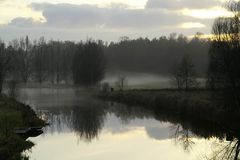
[82, 127]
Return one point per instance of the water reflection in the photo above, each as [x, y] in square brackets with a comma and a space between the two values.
[185, 130]
[86, 122]
[88, 119]
[225, 151]
[73, 111]
[183, 137]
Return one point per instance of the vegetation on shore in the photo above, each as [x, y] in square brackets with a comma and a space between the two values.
[195, 104]
[15, 115]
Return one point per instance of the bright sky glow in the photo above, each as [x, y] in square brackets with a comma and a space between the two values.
[192, 25]
[206, 13]
[13, 9]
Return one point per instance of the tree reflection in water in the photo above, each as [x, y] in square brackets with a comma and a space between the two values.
[183, 137]
[128, 113]
[224, 151]
[87, 121]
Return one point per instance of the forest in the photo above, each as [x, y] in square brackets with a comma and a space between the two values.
[26, 60]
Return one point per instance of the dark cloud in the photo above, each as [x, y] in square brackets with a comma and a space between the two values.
[180, 4]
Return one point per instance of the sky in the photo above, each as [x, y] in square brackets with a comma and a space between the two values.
[106, 19]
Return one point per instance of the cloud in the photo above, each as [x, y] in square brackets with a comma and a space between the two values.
[180, 4]
[74, 22]
[24, 22]
[68, 15]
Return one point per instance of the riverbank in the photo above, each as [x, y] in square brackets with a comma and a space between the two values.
[15, 115]
[195, 104]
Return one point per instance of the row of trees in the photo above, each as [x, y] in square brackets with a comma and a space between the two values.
[89, 63]
[39, 60]
[157, 55]
[53, 61]
[56, 61]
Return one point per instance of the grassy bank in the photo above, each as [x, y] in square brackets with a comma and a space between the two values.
[14, 115]
[195, 104]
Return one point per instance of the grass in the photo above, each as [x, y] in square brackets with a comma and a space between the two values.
[14, 115]
[194, 104]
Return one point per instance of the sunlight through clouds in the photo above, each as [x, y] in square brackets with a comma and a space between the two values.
[188, 25]
[13, 9]
[206, 13]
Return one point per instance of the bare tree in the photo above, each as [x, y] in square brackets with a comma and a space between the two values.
[187, 73]
[40, 60]
[175, 77]
[224, 55]
[184, 75]
[4, 62]
[121, 82]
[25, 57]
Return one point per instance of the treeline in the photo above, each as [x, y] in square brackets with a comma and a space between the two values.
[85, 63]
[157, 55]
[39, 60]
[23, 60]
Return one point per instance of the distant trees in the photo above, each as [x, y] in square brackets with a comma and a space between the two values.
[59, 62]
[40, 61]
[25, 59]
[224, 55]
[184, 74]
[59, 56]
[89, 64]
[4, 62]
[155, 55]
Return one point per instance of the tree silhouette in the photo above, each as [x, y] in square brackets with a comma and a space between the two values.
[184, 74]
[25, 59]
[4, 62]
[40, 60]
[224, 55]
[89, 64]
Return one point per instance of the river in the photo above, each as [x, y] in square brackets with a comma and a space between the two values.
[82, 127]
